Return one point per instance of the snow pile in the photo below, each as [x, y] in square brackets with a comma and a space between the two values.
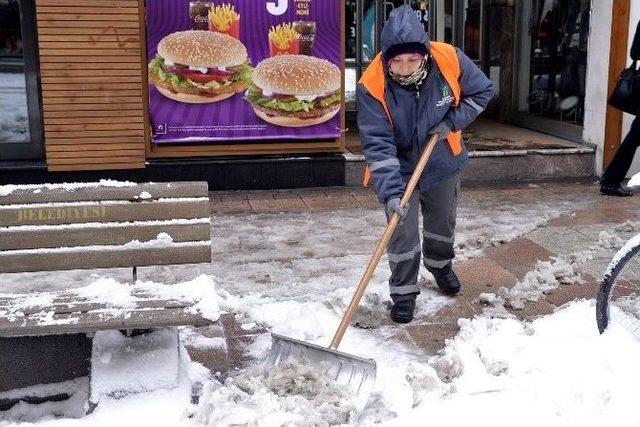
[543, 279]
[547, 276]
[109, 292]
[307, 321]
[634, 181]
[554, 371]
[292, 393]
[563, 270]
[124, 365]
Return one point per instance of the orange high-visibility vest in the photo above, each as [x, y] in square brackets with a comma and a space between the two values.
[445, 55]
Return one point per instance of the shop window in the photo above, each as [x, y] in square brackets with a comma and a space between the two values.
[558, 55]
[14, 117]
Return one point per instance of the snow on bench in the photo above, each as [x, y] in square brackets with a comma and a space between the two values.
[46, 337]
[57, 227]
[107, 304]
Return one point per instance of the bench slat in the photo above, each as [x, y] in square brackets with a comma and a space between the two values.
[95, 321]
[103, 257]
[84, 307]
[97, 192]
[66, 297]
[103, 234]
[71, 213]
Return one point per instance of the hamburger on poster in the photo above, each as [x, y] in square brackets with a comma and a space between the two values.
[295, 90]
[200, 67]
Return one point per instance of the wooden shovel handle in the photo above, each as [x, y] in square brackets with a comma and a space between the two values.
[382, 243]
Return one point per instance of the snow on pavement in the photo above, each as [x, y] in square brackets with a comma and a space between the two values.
[554, 371]
[291, 255]
[293, 274]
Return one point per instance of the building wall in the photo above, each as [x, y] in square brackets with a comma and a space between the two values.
[597, 76]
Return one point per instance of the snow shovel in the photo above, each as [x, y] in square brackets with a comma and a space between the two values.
[345, 369]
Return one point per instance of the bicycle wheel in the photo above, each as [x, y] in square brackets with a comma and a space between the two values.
[619, 294]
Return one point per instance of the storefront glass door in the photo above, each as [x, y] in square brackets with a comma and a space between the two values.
[20, 129]
[553, 61]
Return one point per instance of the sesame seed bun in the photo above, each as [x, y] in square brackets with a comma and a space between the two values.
[202, 49]
[296, 122]
[190, 98]
[297, 75]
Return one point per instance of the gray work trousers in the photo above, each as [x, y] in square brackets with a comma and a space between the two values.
[438, 206]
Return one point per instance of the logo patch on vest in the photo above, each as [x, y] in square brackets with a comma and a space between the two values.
[447, 98]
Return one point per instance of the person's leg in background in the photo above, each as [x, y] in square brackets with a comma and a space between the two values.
[439, 210]
[619, 166]
[403, 252]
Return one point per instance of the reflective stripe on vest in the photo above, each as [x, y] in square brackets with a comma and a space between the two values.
[446, 57]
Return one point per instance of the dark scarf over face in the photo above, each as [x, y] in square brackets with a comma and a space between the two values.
[414, 79]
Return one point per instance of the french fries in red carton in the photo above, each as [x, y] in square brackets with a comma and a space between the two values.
[283, 39]
[224, 19]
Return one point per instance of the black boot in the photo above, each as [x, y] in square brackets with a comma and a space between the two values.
[446, 279]
[402, 311]
[615, 190]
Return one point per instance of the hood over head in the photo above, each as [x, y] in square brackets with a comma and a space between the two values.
[403, 33]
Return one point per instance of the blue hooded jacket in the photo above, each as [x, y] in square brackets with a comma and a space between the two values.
[392, 151]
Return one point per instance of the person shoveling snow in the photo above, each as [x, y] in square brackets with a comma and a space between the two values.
[414, 89]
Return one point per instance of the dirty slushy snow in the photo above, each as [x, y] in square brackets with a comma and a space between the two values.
[292, 393]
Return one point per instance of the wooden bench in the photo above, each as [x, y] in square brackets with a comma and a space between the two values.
[46, 337]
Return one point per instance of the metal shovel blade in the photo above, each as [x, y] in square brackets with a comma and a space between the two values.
[356, 372]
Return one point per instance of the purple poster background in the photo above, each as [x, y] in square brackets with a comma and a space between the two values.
[234, 118]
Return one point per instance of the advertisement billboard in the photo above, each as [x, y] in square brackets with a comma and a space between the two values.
[244, 70]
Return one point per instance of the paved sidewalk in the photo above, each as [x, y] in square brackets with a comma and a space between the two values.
[501, 265]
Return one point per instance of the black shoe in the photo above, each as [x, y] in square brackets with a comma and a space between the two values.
[615, 190]
[446, 279]
[402, 311]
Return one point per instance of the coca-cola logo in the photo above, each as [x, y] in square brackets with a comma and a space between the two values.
[200, 18]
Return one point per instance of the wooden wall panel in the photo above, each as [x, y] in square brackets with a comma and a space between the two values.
[92, 62]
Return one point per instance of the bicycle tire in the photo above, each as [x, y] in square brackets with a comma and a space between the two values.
[603, 300]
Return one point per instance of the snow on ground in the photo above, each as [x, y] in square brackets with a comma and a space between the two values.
[290, 254]
[166, 407]
[294, 274]
[14, 119]
[554, 371]
[565, 269]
